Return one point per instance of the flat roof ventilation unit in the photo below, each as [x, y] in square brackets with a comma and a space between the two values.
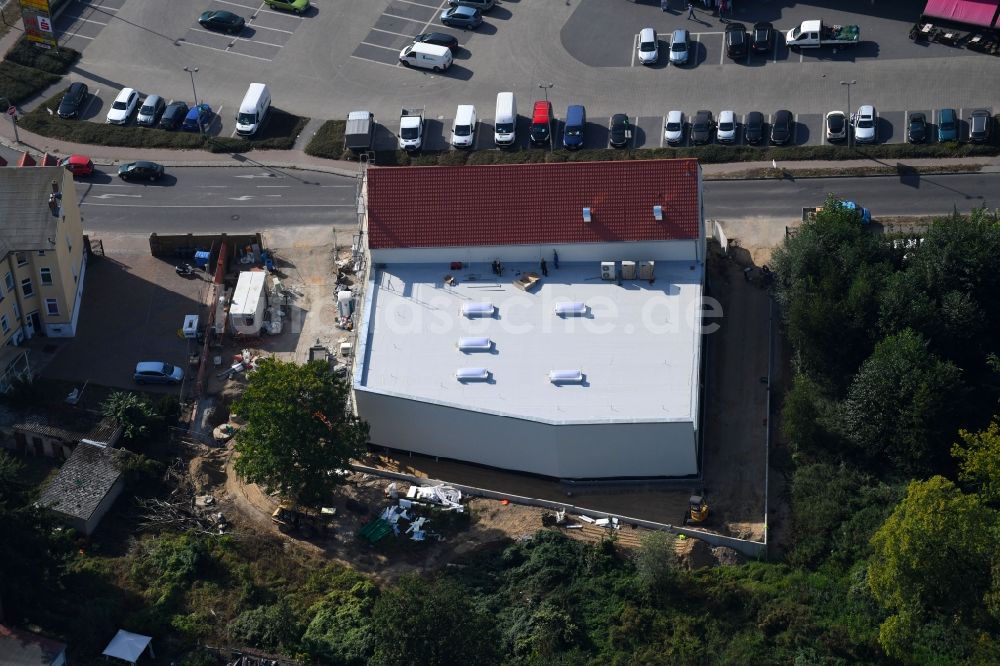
[478, 309]
[475, 344]
[571, 308]
[565, 376]
[472, 374]
[658, 213]
[586, 214]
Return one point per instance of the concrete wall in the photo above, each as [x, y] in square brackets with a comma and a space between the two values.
[678, 250]
[599, 450]
[102, 508]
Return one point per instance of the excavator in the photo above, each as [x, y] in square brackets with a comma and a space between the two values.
[697, 512]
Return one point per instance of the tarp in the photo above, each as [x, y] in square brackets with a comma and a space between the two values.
[127, 646]
[973, 12]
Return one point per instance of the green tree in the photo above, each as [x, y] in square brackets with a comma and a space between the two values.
[903, 403]
[297, 429]
[979, 461]
[432, 623]
[339, 632]
[656, 563]
[934, 560]
[130, 411]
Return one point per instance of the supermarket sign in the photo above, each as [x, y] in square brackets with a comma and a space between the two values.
[37, 18]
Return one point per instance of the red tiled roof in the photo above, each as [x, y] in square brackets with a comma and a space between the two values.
[526, 204]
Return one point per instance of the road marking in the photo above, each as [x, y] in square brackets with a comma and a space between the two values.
[213, 186]
[379, 46]
[111, 196]
[83, 20]
[74, 36]
[800, 55]
[93, 98]
[377, 62]
[254, 41]
[402, 18]
[722, 53]
[261, 175]
[272, 186]
[264, 27]
[635, 45]
[390, 32]
[635, 131]
[270, 205]
[248, 7]
[212, 48]
[663, 131]
[442, 5]
[418, 4]
[775, 59]
[707, 33]
[795, 122]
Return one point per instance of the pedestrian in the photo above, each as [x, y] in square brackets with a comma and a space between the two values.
[723, 8]
[545, 268]
[690, 10]
[555, 259]
[664, 5]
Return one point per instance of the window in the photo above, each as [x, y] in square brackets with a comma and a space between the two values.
[26, 288]
[46, 275]
[52, 306]
[22, 259]
[9, 281]
[4, 324]
[41, 253]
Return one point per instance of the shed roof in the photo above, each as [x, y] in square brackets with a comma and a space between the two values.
[84, 480]
[24, 648]
[26, 221]
[527, 204]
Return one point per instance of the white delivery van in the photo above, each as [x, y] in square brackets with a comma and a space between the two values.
[246, 309]
[463, 131]
[506, 119]
[428, 56]
[253, 109]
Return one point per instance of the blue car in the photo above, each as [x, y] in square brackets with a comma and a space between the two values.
[197, 118]
[576, 121]
[462, 17]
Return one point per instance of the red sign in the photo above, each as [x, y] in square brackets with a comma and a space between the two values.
[11, 111]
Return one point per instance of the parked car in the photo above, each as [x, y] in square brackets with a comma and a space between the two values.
[123, 106]
[679, 49]
[649, 46]
[865, 124]
[620, 130]
[462, 17]
[573, 128]
[294, 6]
[947, 125]
[78, 165]
[763, 37]
[916, 129]
[197, 117]
[701, 127]
[481, 5]
[980, 126]
[836, 126]
[72, 101]
[542, 120]
[736, 41]
[157, 372]
[673, 128]
[140, 170]
[150, 111]
[439, 39]
[726, 131]
[753, 128]
[222, 21]
[781, 128]
[173, 115]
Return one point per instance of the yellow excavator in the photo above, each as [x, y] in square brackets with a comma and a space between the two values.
[697, 512]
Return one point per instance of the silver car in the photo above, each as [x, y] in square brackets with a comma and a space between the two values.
[726, 131]
[673, 128]
[157, 372]
[679, 48]
[865, 124]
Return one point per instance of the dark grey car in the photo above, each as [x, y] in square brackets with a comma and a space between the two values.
[72, 102]
[701, 127]
[781, 128]
[753, 128]
[980, 126]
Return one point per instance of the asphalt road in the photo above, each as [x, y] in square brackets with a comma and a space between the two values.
[200, 199]
[890, 196]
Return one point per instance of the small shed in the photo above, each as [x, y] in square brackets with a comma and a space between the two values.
[25, 648]
[86, 487]
[55, 433]
[128, 646]
[246, 311]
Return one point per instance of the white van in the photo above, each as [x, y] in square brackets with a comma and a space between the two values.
[428, 56]
[253, 109]
[506, 119]
[463, 131]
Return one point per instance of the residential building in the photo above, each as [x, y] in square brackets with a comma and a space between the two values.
[543, 318]
[19, 647]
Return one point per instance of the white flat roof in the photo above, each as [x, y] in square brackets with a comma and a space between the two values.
[636, 344]
[249, 286]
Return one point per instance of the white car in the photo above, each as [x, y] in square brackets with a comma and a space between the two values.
[123, 106]
[726, 130]
[836, 126]
[649, 47]
[865, 123]
[673, 128]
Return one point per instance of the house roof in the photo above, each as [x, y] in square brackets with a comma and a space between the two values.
[26, 221]
[72, 424]
[84, 480]
[528, 204]
[24, 648]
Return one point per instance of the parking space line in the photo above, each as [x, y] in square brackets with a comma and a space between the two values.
[418, 4]
[722, 53]
[261, 9]
[264, 27]
[214, 34]
[707, 33]
[379, 46]
[402, 18]
[74, 36]
[377, 62]
[800, 55]
[236, 4]
[635, 128]
[439, 8]
[83, 20]
[390, 32]
[635, 45]
[775, 58]
[254, 41]
[663, 130]
[212, 48]
[795, 121]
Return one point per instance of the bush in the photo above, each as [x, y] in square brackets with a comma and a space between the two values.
[19, 83]
[328, 141]
[278, 133]
[53, 61]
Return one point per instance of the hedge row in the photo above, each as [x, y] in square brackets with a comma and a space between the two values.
[329, 143]
[52, 61]
[278, 134]
[27, 70]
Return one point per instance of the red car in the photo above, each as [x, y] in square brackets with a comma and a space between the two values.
[78, 165]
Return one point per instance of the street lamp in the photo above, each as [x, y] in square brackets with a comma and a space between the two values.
[545, 87]
[850, 114]
[194, 91]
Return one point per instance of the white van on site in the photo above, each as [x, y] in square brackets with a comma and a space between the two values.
[253, 109]
[428, 56]
[506, 119]
[463, 131]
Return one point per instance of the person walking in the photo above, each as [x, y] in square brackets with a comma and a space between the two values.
[723, 8]
[690, 10]
[555, 259]
[545, 268]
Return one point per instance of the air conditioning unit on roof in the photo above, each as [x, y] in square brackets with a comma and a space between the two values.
[607, 270]
[646, 270]
[628, 270]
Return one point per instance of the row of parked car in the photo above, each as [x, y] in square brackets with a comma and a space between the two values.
[436, 50]
[153, 112]
[737, 39]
